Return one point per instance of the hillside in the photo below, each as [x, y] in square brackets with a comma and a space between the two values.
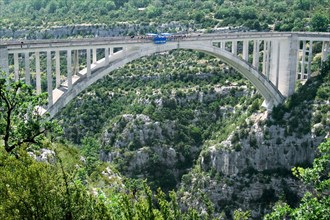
[257, 174]
[200, 127]
[174, 135]
[42, 19]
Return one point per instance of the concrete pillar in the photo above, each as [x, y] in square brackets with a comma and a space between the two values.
[325, 50]
[49, 79]
[106, 56]
[269, 49]
[224, 45]
[310, 56]
[264, 58]
[57, 68]
[275, 62]
[303, 59]
[278, 63]
[4, 60]
[94, 55]
[16, 67]
[38, 77]
[246, 50]
[69, 69]
[288, 65]
[27, 68]
[88, 62]
[234, 47]
[75, 62]
[255, 61]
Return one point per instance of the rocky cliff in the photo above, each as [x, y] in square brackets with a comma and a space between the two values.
[251, 169]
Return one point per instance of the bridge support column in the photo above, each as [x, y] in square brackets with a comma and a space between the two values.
[38, 77]
[94, 55]
[16, 67]
[49, 79]
[88, 62]
[310, 53]
[303, 60]
[246, 50]
[275, 62]
[4, 60]
[75, 62]
[265, 64]
[288, 65]
[27, 68]
[255, 61]
[69, 69]
[57, 68]
[224, 45]
[325, 50]
[106, 56]
[234, 47]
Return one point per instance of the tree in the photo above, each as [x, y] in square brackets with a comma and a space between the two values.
[219, 2]
[241, 215]
[319, 22]
[199, 16]
[21, 121]
[316, 202]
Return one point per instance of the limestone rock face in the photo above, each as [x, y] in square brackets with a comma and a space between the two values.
[249, 191]
[261, 153]
[43, 155]
[251, 169]
[142, 147]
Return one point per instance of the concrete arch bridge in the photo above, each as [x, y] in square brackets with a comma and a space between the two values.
[271, 61]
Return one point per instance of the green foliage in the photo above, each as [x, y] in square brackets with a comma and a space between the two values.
[21, 122]
[52, 189]
[308, 98]
[316, 202]
[43, 190]
[241, 215]
[38, 190]
[319, 22]
[148, 16]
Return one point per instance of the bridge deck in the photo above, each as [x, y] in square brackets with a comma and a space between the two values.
[26, 45]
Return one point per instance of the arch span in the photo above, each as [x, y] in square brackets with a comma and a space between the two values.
[270, 93]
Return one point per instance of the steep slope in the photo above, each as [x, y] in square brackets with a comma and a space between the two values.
[251, 169]
[196, 126]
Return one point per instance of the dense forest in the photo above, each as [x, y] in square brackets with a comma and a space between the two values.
[282, 15]
[174, 135]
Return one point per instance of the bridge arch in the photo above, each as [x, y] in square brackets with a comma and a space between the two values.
[270, 93]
